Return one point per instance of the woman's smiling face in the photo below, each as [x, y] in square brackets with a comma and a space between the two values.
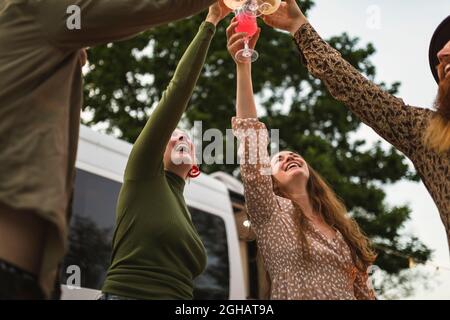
[287, 167]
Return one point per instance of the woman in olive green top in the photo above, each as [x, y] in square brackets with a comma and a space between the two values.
[157, 251]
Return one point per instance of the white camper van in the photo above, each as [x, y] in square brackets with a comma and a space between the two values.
[217, 206]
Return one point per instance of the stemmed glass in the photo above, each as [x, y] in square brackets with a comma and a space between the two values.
[246, 12]
[254, 7]
[235, 4]
[247, 24]
[267, 7]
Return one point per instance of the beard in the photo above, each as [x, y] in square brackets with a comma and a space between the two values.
[437, 134]
[442, 103]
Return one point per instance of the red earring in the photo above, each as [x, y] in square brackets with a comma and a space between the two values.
[194, 172]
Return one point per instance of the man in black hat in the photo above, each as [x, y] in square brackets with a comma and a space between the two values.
[438, 132]
[423, 135]
[41, 54]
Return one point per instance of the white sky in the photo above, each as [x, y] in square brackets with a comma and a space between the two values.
[401, 37]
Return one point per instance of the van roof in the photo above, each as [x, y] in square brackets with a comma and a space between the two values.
[230, 182]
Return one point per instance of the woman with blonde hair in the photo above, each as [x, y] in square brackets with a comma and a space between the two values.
[311, 248]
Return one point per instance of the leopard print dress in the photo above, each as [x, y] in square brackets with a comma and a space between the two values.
[401, 125]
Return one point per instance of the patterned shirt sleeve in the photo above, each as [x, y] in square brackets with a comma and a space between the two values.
[253, 139]
[400, 124]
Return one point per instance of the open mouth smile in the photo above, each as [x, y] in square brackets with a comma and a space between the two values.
[293, 165]
[182, 147]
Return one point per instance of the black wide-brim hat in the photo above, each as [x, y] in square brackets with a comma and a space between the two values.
[440, 38]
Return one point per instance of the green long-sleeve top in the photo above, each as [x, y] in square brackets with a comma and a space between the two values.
[157, 251]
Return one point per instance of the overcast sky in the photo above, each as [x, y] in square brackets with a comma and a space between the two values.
[400, 31]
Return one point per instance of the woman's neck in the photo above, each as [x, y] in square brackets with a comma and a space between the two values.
[300, 196]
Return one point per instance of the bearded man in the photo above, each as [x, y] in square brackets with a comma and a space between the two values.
[422, 134]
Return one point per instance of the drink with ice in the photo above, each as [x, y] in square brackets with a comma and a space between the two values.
[246, 24]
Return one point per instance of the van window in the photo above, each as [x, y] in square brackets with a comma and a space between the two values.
[214, 283]
[92, 228]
